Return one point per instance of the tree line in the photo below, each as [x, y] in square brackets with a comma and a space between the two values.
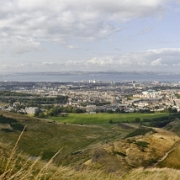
[57, 110]
[34, 101]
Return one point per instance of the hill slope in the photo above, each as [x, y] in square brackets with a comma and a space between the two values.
[98, 152]
[138, 151]
[45, 138]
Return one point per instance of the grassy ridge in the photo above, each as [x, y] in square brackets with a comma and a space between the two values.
[104, 118]
[46, 138]
[76, 142]
[17, 166]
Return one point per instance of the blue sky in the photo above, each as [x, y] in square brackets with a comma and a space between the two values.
[91, 35]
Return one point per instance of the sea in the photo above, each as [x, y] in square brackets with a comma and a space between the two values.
[103, 77]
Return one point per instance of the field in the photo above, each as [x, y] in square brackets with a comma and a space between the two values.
[104, 118]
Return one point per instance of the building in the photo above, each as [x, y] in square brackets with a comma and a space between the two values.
[91, 109]
[32, 110]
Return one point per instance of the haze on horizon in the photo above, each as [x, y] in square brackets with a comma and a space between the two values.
[103, 35]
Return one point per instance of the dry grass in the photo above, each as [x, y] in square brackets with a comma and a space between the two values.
[152, 174]
[37, 170]
[16, 166]
[172, 160]
[139, 151]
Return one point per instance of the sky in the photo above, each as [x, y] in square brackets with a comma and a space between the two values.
[89, 35]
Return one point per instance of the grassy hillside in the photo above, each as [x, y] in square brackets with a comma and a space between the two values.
[16, 166]
[174, 126]
[172, 160]
[104, 118]
[45, 138]
[138, 151]
[97, 151]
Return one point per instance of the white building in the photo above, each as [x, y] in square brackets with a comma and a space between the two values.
[32, 110]
[91, 109]
[150, 94]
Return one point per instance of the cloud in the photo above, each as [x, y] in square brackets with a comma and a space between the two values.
[157, 62]
[72, 47]
[32, 22]
[19, 45]
[49, 64]
[147, 60]
[101, 61]
[15, 66]
[145, 30]
[150, 60]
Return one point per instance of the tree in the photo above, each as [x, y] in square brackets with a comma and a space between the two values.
[110, 121]
[137, 120]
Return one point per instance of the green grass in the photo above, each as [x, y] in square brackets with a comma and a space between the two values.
[75, 141]
[104, 118]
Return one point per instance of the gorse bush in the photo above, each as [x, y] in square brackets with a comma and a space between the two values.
[142, 143]
[138, 132]
[15, 126]
[7, 120]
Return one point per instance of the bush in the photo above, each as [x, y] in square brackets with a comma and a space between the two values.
[142, 143]
[137, 120]
[6, 120]
[110, 121]
[6, 130]
[139, 132]
[17, 126]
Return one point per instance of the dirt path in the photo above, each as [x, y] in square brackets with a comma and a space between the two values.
[165, 155]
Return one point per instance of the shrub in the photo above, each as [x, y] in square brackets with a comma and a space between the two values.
[142, 143]
[17, 126]
[137, 120]
[139, 132]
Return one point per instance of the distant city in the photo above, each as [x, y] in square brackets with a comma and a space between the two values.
[90, 96]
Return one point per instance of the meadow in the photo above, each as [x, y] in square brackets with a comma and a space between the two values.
[104, 118]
